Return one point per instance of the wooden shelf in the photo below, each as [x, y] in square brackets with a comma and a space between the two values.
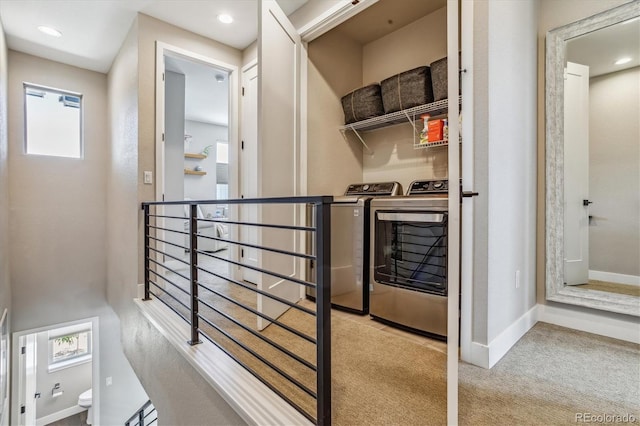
[194, 172]
[198, 156]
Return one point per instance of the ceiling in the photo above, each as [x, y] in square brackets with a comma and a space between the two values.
[602, 48]
[385, 17]
[206, 99]
[93, 31]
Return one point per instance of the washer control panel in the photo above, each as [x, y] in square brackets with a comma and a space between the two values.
[377, 189]
[421, 187]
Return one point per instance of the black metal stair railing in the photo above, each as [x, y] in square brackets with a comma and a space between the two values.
[145, 416]
[195, 273]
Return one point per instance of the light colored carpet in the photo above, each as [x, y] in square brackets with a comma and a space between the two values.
[631, 290]
[548, 377]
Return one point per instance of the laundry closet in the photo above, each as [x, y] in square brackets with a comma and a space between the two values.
[385, 39]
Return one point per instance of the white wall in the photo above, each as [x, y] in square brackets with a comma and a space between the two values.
[505, 169]
[179, 393]
[5, 286]
[73, 381]
[203, 135]
[614, 172]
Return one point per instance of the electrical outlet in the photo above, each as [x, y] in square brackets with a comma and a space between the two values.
[518, 278]
[148, 177]
[109, 381]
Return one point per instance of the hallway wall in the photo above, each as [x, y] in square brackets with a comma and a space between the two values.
[178, 391]
[58, 227]
[5, 286]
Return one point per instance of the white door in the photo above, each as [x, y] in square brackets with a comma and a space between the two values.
[278, 148]
[576, 174]
[27, 380]
[249, 167]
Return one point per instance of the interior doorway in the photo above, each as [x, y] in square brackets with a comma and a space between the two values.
[55, 369]
[196, 111]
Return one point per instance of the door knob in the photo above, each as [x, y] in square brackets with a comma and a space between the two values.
[586, 202]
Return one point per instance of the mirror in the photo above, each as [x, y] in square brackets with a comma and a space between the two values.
[593, 162]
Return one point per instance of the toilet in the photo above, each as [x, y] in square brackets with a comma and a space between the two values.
[85, 400]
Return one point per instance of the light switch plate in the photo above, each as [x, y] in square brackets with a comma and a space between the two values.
[109, 381]
[148, 177]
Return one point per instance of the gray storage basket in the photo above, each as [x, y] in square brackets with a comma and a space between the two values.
[439, 71]
[362, 104]
[407, 89]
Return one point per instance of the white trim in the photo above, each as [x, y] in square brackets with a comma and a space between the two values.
[479, 355]
[331, 18]
[453, 237]
[509, 337]
[621, 327]
[59, 415]
[612, 277]
[250, 398]
[468, 184]
[486, 356]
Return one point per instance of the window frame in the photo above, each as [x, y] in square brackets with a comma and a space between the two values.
[53, 365]
[27, 85]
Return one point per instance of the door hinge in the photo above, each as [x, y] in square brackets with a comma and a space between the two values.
[22, 409]
[241, 252]
[163, 137]
[243, 91]
[162, 76]
[23, 350]
[467, 194]
[241, 144]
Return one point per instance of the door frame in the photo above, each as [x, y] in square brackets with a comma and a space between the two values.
[163, 49]
[16, 364]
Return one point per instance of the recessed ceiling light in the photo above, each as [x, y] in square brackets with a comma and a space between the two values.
[50, 31]
[622, 61]
[225, 18]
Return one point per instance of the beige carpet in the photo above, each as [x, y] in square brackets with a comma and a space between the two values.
[631, 290]
[549, 376]
[379, 378]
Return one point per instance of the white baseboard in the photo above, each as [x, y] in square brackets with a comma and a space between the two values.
[617, 328]
[612, 277]
[487, 356]
[59, 415]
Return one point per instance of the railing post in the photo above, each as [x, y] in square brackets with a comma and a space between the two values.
[141, 418]
[323, 311]
[146, 252]
[193, 233]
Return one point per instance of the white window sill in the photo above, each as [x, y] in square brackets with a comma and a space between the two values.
[69, 363]
[248, 396]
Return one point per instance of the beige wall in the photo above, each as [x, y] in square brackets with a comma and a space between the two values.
[179, 393]
[334, 69]
[151, 30]
[5, 286]
[614, 172]
[553, 14]
[417, 44]
[339, 65]
[58, 207]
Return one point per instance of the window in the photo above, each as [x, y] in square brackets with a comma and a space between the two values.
[53, 122]
[69, 348]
